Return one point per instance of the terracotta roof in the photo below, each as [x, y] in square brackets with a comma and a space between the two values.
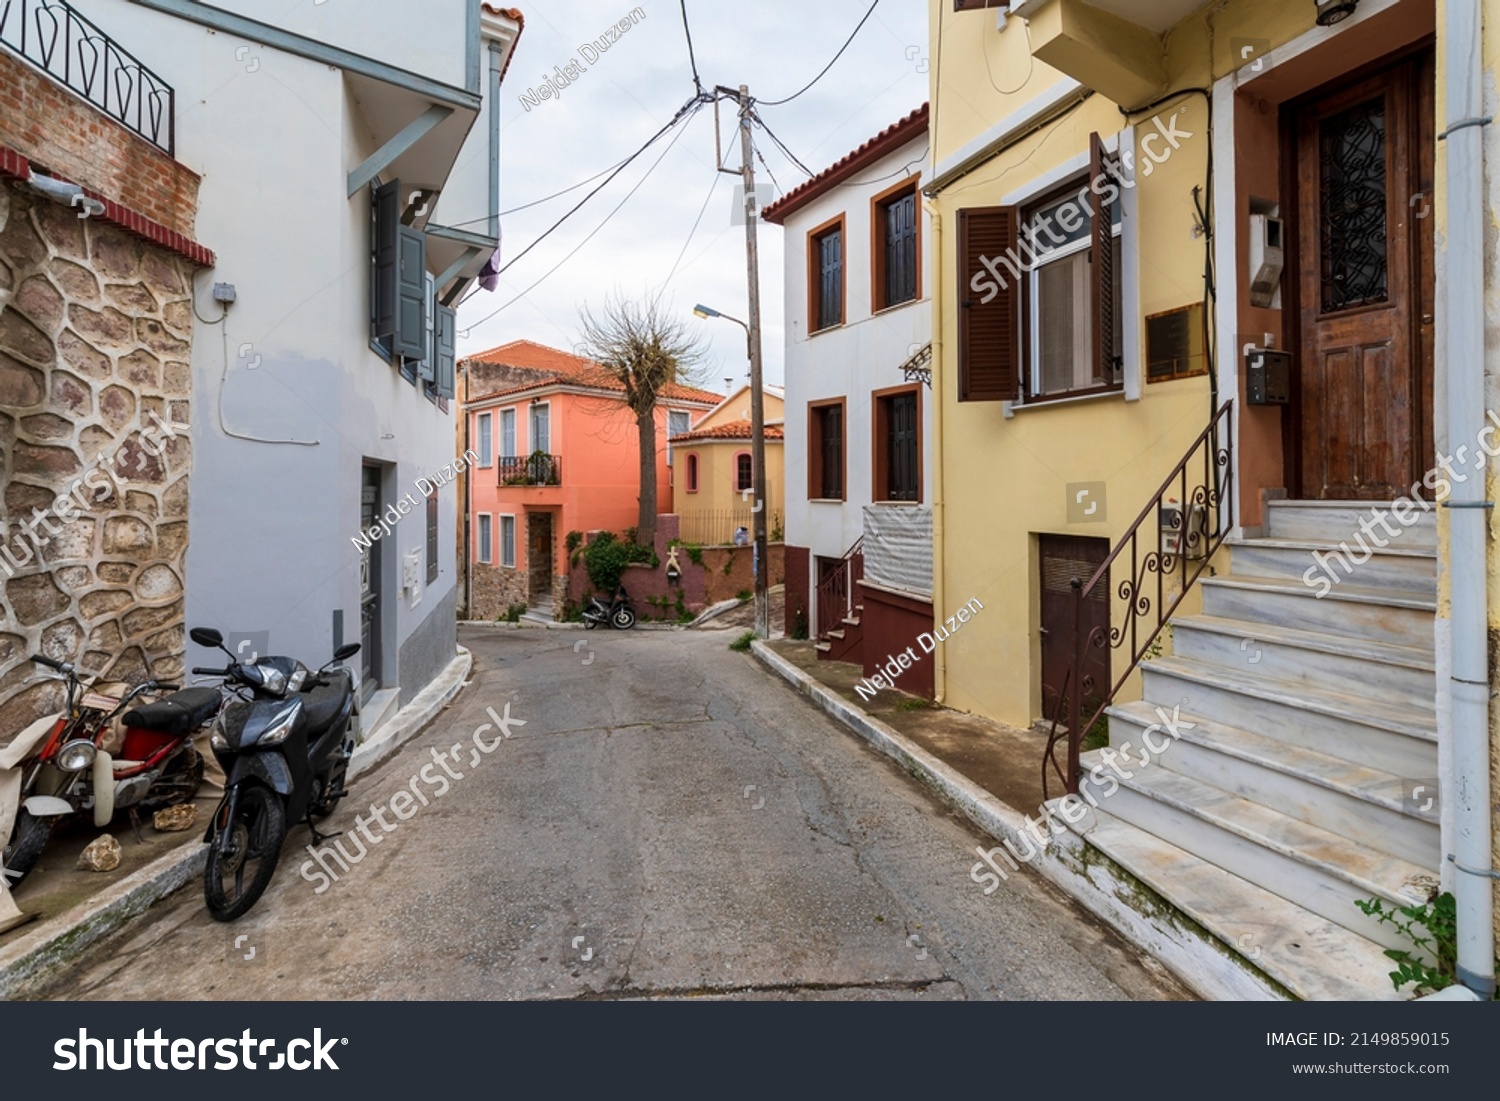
[565, 369]
[889, 139]
[508, 13]
[739, 430]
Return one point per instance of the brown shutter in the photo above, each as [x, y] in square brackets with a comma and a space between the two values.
[975, 5]
[1103, 271]
[988, 340]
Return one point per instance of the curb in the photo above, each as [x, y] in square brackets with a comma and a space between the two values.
[29, 961]
[1111, 892]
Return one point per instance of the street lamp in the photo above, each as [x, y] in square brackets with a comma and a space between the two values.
[1335, 11]
[757, 469]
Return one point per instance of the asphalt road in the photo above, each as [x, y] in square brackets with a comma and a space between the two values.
[670, 821]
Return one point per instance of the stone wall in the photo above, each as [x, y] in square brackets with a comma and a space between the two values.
[496, 588]
[94, 451]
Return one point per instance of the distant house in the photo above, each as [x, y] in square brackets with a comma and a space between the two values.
[558, 452]
[713, 482]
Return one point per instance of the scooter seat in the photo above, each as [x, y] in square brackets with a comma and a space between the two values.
[180, 713]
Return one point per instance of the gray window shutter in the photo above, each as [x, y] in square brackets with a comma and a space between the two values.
[447, 322]
[410, 336]
[387, 256]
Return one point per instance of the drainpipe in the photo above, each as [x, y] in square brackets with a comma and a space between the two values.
[939, 533]
[1468, 507]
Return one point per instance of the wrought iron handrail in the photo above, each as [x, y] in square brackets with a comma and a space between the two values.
[835, 592]
[1192, 531]
[52, 37]
[536, 469]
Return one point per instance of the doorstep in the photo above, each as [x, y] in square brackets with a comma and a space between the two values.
[77, 909]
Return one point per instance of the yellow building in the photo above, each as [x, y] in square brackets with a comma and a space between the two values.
[1209, 335]
[713, 483]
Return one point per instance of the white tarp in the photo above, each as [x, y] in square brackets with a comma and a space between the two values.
[898, 548]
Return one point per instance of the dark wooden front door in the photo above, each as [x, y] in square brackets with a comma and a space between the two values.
[1363, 269]
[1063, 558]
[539, 557]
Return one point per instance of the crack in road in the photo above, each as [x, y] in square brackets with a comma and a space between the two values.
[645, 993]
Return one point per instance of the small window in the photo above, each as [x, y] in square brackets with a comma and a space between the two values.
[898, 472]
[826, 276]
[541, 428]
[744, 472]
[485, 432]
[692, 473]
[826, 452]
[432, 537]
[678, 422]
[486, 536]
[507, 433]
[508, 541]
[897, 255]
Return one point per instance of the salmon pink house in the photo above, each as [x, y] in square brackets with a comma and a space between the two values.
[558, 452]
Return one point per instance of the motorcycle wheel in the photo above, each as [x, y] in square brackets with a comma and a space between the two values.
[589, 624]
[240, 867]
[624, 619]
[25, 846]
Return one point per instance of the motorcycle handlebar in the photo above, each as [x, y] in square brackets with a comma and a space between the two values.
[200, 671]
[42, 659]
[168, 687]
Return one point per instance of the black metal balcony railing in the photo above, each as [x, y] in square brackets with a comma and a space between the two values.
[536, 469]
[54, 38]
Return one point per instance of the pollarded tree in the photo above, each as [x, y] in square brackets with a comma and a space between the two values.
[647, 350]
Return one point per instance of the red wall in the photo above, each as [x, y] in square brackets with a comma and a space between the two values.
[890, 624]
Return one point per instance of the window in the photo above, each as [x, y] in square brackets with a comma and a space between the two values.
[826, 276]
[744, 472]
[432, 537]
[408, 325]
[825, 451]
[898, 447]
[507, 433]
[1041, 313]
[897, 247]
[678, 422]
[692, 473]
[541, 427]
[485, 431]
[508, 541]
[485, 537]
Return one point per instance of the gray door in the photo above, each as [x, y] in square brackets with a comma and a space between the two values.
[369, 584]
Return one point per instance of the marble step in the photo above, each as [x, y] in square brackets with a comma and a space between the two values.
[1372, 808]
[1405, 619]
[1374, 670]
[1399, 569]
[1339, 522]
[1400, 740]
[1312, 958]
[1317, 870]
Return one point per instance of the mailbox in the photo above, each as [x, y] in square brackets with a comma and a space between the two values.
[1268, 377]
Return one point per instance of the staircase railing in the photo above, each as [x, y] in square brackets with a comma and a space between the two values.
[1180, 529]
[836, 591]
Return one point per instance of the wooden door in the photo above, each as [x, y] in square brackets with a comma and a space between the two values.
[1063, 558]
[1363, 252]
[539, 557]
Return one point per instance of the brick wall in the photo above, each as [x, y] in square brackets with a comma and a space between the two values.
[62, 135]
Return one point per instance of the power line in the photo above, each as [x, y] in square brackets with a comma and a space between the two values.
[780, 144]
[713, 183]
[694, 105]
[692, 60]
[845, 46]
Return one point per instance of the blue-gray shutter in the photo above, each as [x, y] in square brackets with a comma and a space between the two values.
[410, 336]
[447, 323]
[387, 256]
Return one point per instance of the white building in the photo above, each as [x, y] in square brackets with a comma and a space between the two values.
[858, 409]
[350, 192]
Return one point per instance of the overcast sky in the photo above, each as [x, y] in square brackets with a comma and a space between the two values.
[620, 100]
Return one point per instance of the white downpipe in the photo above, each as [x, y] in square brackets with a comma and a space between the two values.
[1468, 516]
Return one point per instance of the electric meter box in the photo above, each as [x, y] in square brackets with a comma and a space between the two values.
[1268, 377]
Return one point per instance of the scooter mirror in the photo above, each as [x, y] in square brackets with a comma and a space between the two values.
[206, 636]
[344, 653]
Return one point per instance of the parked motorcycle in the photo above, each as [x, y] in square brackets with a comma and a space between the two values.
[617, 613]
[71, 772]
[285, 749]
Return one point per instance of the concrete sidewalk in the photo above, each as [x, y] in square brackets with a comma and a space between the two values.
[76, 908]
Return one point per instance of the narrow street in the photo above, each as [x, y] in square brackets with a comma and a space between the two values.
[670, 821]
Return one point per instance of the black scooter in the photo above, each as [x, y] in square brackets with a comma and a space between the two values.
[285, 749]
[617, 613]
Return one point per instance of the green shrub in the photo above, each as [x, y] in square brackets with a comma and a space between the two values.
[744, 595]
[573, 540]
[512, 614]
[1438, 918]
[606, 558]
[742, 643]
[799, 625]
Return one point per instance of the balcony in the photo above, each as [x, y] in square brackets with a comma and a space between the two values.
[536, 469]
[52, 37]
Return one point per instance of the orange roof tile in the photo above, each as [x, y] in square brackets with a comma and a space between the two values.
[888, 140]
[566, 369]
[739, 430]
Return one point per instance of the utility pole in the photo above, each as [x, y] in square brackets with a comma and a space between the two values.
[757, 399]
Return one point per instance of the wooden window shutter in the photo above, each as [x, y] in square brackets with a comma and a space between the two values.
[387, 256]
[976, 5]
[988, 304]
[447, 322]
[410, 336]
[1103, 271]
